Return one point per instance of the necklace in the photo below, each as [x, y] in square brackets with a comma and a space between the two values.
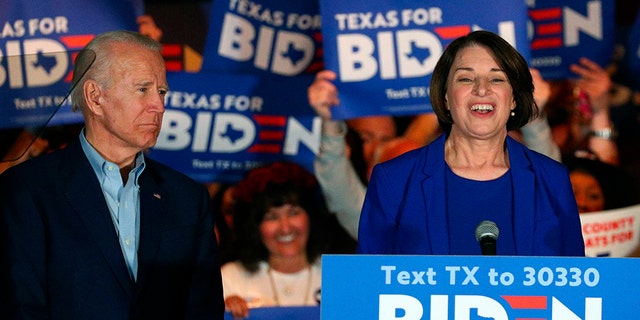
[288, 290]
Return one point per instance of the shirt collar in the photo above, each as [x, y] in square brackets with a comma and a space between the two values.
[100, 165]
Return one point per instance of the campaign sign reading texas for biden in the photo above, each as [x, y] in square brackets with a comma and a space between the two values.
[38, 44]
[416, 287]
[215, 128]
[384, 51]
[264, 36]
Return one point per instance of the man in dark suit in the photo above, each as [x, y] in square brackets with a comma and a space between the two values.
[98, 231]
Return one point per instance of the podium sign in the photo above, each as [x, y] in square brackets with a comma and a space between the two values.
[478, 287]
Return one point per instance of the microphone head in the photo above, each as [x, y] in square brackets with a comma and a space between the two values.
[487, 228]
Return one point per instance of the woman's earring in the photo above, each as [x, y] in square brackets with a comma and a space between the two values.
[513, 113]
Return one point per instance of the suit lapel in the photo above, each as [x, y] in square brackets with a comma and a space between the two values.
[523, 184]
[85, 196]
[435, 198]
[152, 221]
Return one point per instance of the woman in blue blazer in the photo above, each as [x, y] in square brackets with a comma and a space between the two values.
[430, 200]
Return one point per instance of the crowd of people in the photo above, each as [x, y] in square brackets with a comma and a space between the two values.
[163, 246]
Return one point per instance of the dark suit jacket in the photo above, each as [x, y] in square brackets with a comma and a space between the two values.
[61, 258]
[405, 207]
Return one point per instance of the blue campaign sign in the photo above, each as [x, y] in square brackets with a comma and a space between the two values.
[216, 127]
[38, 43]
[565, 30]
[478, 287]
[279, 313]
[264, 37]
[384, 51]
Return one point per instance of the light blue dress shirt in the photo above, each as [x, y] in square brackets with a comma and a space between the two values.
[123, 201]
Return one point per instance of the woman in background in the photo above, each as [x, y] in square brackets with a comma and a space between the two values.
[280, 223]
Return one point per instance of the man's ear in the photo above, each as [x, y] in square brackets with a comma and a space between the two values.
[92, 96]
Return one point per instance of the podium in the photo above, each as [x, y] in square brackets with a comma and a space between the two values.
[394, 287]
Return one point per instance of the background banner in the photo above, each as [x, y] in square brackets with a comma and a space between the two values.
[38, 43]
[264, 37]
[478, 287]
[217, 127]
[565, 30]
[384, 51]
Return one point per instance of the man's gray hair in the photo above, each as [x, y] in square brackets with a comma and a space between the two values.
[94, 61]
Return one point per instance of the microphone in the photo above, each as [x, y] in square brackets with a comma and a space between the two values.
[487, 233]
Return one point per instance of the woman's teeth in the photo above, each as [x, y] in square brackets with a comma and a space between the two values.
[482, 107]
[286, 238]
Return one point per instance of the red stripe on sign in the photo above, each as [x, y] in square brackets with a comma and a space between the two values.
[549, 29]
[171, 50]
[265, 148]
[452, 32]
[173, 65]
[77, 41]
[526, 302]
[545, 14]
[546, 43]
[271, 135]
[270, 120]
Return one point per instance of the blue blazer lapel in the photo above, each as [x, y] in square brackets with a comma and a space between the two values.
[435, 197]
[523, 197]
[85, 196]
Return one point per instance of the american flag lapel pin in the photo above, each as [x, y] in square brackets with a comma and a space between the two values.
[157, 195]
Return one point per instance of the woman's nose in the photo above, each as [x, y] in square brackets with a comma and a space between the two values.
[284, 223]
[481, 87]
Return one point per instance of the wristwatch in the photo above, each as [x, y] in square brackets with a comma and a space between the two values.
[605, 133]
